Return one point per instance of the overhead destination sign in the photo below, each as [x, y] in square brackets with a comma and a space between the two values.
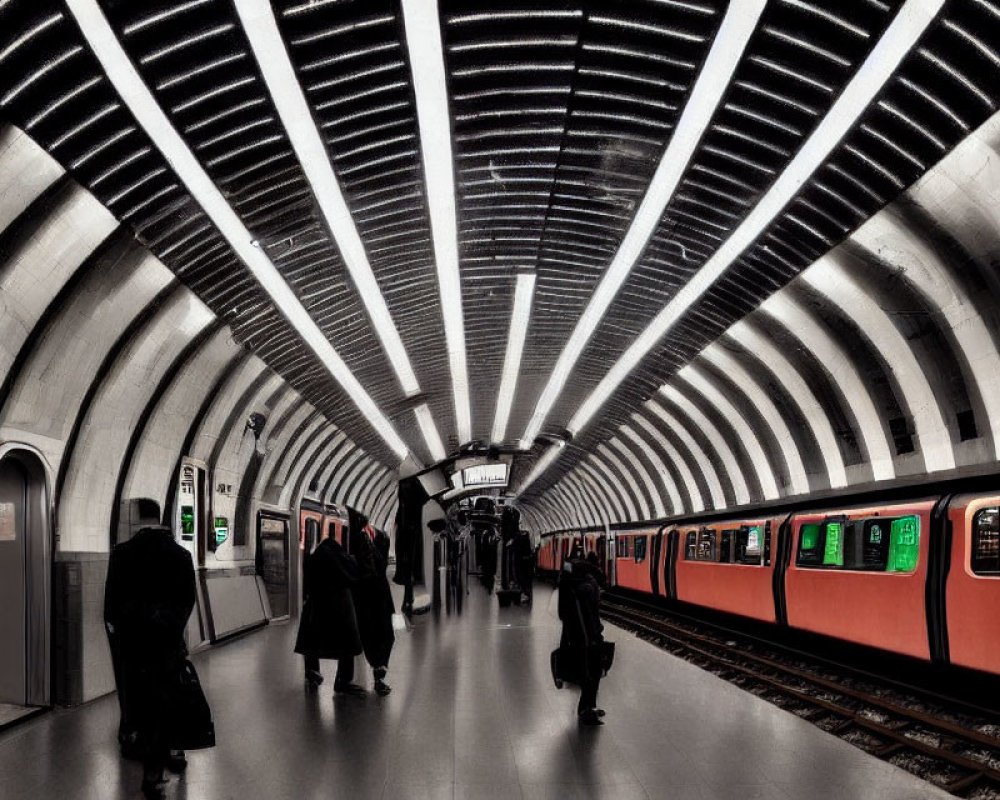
[485, 475]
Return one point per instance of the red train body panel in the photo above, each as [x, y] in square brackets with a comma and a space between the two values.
[880, 609]
[632, 561]
[734, 587]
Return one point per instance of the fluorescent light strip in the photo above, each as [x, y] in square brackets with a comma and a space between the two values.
[427, 427]
[523, 294]
[901, 35]
[542, 464]
[423, 43]
[140, 101]
[268, 47]
[723, 58]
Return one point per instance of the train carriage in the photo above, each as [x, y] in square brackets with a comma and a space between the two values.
[973, 588]
[728, 566]
[860, 574]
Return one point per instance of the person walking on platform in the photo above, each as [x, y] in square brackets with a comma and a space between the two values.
[582, 632]
[329, 625]
[373, 597]
[148, 597]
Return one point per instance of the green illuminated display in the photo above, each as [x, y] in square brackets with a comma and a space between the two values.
[904, 544]
[221, 530]
[187, 522]
[833, 551]
[810, 536]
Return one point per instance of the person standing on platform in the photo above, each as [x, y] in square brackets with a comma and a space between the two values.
[372, 596]
[329, 626]
[524, 564]
[582, 632]
[148, 597]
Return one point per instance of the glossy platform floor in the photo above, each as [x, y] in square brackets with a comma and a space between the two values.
[473, 714]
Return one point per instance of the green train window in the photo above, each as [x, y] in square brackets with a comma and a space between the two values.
[833, 545]
[986, 541]
[904, 544]
[810, 545]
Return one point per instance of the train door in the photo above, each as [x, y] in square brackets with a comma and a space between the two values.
[655, 548]
[670, 563]
[272, 559]
[24, 580]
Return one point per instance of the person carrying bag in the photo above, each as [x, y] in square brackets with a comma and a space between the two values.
[583, 655]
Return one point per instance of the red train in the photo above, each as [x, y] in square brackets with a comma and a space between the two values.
[916, 577]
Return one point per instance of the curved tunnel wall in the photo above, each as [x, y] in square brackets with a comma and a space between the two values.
[117, 375]
[879, 362]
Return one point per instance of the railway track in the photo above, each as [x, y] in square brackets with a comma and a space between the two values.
[955, 751]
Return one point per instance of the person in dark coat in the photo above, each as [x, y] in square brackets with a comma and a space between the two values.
[148, 597]
[373, 597]
[582, 632]
[329, 626]
[524, 563]
[488, 562]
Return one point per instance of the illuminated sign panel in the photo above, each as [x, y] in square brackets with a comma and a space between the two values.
[485, 475]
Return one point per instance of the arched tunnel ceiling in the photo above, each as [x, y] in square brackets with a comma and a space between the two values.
[748, 248]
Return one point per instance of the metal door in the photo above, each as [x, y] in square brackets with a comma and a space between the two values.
[13, 584]
[272, 560]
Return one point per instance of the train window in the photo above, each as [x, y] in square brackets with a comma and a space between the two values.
[904, 544]
[986, 541]
[726, 540]
[767, 544]
[833, 545]
[622, 547]
[640, 549]
[810, 545]
[749, 544]
[875, 544]
[706, 545]
[691, 546]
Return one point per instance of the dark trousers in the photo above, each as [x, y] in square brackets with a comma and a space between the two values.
[345, 669]
[588, 695]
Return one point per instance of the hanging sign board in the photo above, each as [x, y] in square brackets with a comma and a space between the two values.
[8, 528]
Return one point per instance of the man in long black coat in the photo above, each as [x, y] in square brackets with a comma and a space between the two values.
[148, 597]
[582, 633]
[524, 563]
[329, 625]
[373, 597]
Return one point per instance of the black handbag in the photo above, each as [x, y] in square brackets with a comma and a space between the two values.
[192, 728]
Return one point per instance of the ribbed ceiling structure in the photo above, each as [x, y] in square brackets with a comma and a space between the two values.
[704, 254]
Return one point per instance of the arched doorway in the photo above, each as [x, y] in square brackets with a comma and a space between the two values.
[25, 559]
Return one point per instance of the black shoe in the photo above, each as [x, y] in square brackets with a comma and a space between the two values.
[382, 688]
[314, 677]
[590, 717]
[599, 711]
[350, 688]
[177, 762]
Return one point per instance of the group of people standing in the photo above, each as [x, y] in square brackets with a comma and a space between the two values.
[347, 607]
